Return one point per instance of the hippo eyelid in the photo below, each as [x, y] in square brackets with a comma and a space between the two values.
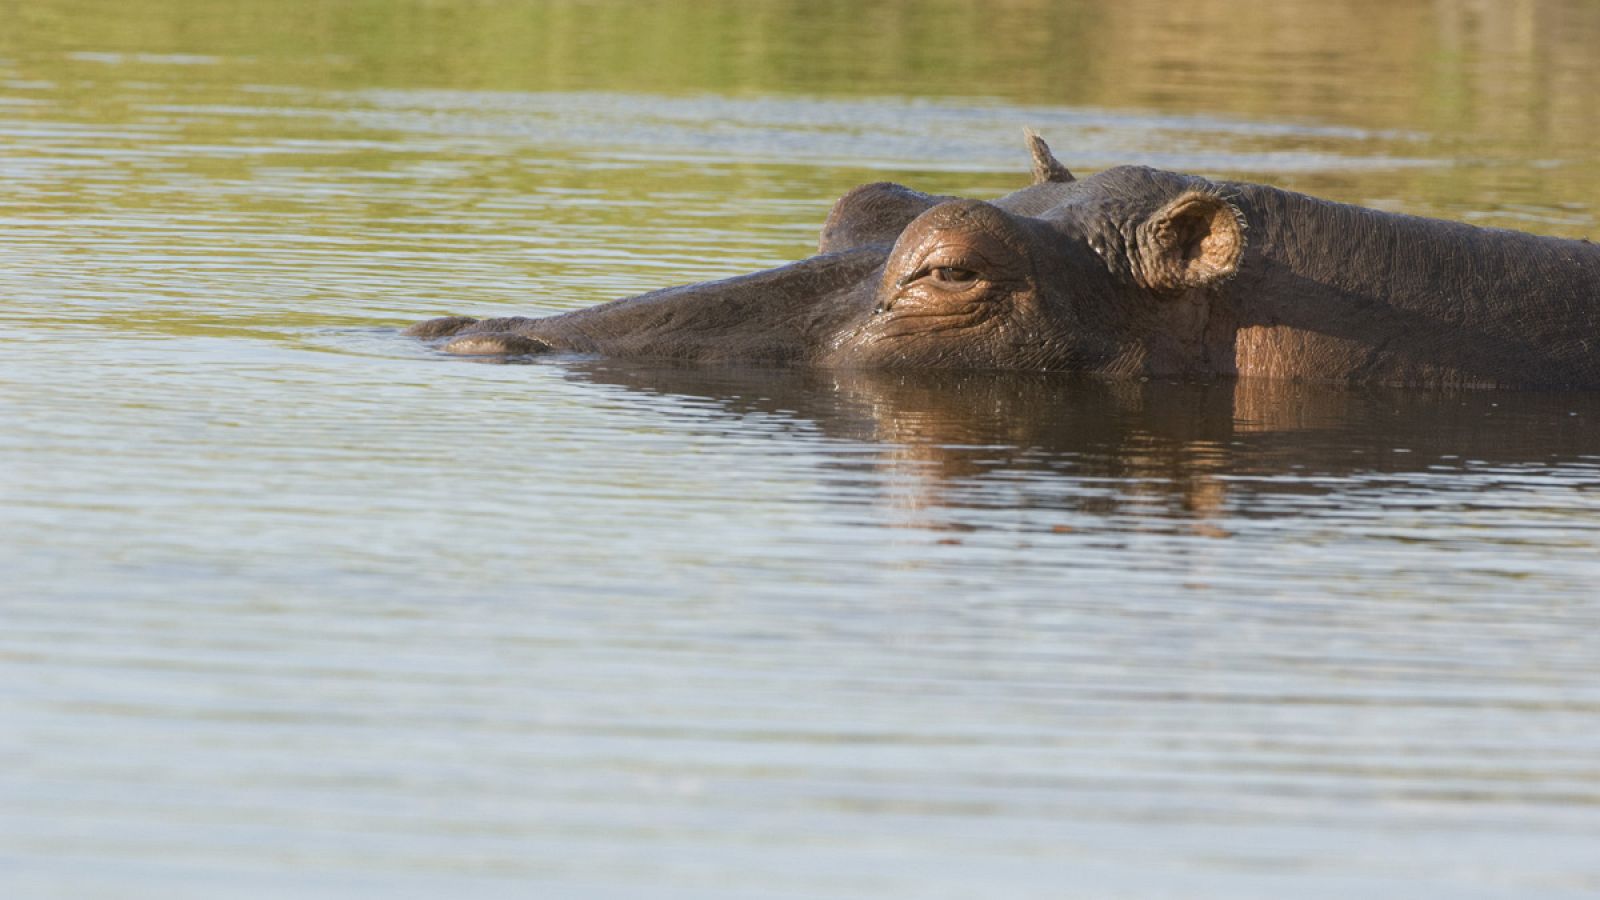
[953, 274]
[933, 271]
[965, 259]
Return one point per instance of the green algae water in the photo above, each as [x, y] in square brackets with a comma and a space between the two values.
[295, 607]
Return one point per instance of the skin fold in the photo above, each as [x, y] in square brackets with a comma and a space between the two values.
[1132, 272]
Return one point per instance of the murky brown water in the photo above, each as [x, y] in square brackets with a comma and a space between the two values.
[295, 608]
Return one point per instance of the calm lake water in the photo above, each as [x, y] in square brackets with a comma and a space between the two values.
[294, 607]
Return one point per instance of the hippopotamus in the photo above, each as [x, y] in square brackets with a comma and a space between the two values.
[1131, 272]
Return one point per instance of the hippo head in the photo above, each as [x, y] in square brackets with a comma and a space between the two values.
[1112, 273]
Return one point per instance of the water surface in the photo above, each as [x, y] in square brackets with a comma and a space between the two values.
[294, 606]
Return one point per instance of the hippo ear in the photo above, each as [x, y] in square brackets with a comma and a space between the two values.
[1045, 165]
[1195, 241]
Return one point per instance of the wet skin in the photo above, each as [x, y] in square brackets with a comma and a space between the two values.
[1130, 272]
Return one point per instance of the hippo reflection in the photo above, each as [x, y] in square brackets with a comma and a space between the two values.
[1130, 272]
[1092, 445]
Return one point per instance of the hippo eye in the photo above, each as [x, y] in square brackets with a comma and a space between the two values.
[953, 275]
[946, 277]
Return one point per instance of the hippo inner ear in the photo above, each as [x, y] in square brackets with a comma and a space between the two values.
[1195, 241]
[872, 214]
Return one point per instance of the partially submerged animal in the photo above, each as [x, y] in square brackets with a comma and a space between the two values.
[1130, 272]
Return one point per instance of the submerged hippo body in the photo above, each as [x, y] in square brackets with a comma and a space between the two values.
[1130, 272]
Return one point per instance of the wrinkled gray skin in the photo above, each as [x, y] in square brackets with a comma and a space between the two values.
[1130, 272]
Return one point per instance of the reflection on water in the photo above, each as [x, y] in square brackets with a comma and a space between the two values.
[352, 623]
[1179, 451]
[1494, 85]
[294, 606]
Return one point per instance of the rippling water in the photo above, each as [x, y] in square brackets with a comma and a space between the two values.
[295, 607]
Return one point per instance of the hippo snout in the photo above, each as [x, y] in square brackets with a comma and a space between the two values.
[481, 337]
